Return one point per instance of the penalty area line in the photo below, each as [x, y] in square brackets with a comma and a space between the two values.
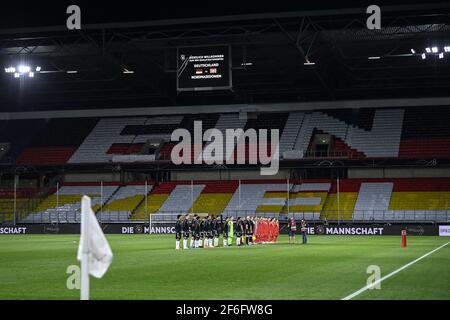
[356, 293]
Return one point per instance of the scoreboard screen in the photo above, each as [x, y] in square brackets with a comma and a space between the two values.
[204, 68]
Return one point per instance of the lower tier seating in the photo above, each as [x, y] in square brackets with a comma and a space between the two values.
[419, 199]
[65, 204]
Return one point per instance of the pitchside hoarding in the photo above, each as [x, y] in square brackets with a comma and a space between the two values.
[444, 231]
[111, 228]
[335, 230]
[375, 230]
[204, 68]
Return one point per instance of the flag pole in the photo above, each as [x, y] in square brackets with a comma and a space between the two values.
[192, 196]
[101, 201]
[145, 210]
[84, 290]
[15, 198]
[288, 200]
[338, 201]
[239, 194]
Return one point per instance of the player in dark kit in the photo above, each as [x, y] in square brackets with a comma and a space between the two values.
[248, 231]
[202, 232]
[178, 230]
[225, 229]
[217, 230]
[186, 230]
[195, 227]
[192, 230]
[239, 230]
[209, 232]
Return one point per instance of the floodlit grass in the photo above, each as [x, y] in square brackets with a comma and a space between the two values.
[148, 267]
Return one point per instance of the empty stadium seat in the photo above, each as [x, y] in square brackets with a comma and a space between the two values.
[372, 199]
[123, 202]
[366, 200]
[357, 133]
[65, 206]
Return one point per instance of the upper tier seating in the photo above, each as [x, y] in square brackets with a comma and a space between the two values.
[228, 121]
[56, 142]
[426, 133]
[356, 133]
[289, 135]
[107, 132]
[18, 134]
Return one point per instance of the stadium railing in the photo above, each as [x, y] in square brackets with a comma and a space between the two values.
[326, 154]
[360, 216]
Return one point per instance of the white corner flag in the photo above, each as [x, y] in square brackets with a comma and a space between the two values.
[94, 251]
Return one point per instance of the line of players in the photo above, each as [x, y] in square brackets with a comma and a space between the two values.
[206, 231]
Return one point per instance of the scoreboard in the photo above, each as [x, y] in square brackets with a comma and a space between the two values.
[204, 68]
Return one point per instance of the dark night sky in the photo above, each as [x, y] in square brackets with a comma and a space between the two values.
[48, 13]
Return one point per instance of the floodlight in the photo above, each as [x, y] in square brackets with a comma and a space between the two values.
[24, 69]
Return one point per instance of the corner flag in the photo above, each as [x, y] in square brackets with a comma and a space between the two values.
[94, 252]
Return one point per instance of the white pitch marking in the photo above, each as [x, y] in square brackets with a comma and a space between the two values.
[356, 293]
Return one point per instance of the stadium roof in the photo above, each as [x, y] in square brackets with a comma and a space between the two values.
[350, 61]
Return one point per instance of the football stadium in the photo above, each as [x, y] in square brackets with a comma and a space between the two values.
[270, 153]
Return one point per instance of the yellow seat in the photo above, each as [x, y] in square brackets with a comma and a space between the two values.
[154, 203]
[126, 204]
[212, 203]
[7, 208]
[420, 201]
[347, 201]
[53, 201]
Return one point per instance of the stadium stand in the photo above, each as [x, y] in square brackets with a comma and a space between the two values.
[18, 135]
[124, 201]
[128, 131]
[408, 199]
[64, 205]
[7, 202]
[373, 199]
[56, 142]
[155, 200]
[250, 197]
[291, 131]
[215, 197]
[426, 133]
[356, 134]
[341, 208]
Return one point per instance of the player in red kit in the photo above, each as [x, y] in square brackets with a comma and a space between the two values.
[277, 229]
[270, 231]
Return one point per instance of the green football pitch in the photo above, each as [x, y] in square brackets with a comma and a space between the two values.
[148, 267]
